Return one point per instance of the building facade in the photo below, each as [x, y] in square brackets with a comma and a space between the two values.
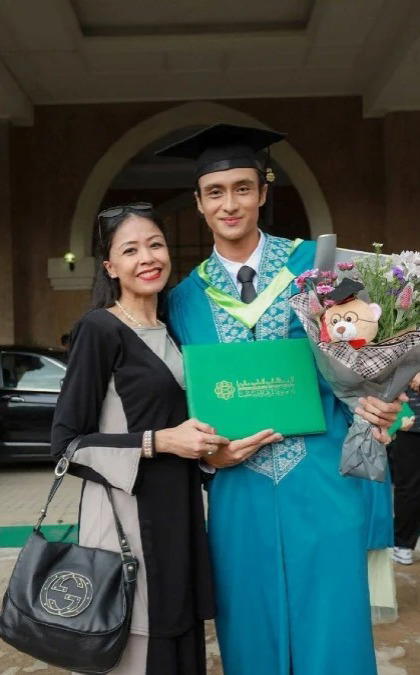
[350, 163]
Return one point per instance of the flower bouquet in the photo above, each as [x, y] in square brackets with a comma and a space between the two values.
[364, 348]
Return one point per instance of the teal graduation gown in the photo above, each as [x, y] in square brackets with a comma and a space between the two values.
[288, 535]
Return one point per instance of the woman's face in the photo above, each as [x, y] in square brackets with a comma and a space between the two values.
[139, 257]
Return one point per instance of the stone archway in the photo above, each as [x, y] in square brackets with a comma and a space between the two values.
[150, 130]
[163, 123]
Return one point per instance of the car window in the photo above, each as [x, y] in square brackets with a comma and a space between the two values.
[31, 371]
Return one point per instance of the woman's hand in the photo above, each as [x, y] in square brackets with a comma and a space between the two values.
[236, 452]
[191, 439]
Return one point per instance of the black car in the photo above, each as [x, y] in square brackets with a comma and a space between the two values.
[30, 381]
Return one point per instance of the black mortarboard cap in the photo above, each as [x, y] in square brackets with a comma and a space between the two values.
[346, 289]
[222, 146]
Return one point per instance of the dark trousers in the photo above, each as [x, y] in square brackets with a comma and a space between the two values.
[406, 475]
[181, 655]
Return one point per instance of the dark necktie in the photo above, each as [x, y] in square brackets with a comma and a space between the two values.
[245, 276]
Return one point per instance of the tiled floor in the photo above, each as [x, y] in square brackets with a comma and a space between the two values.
[398, 644]
[24, 490]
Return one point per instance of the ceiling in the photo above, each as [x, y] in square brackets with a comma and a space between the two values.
[121, 18]
[99, 51]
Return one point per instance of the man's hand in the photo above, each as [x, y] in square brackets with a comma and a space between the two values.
[238, 451]
[379, 413]
[415, 383]
[381, 435]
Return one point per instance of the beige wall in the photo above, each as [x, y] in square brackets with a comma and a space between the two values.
[368, 170]
[345, 153]
[402, 171]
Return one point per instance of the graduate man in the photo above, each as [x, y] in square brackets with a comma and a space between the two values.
[287, 533]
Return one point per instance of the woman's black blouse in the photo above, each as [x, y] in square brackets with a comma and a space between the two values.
[107, 355]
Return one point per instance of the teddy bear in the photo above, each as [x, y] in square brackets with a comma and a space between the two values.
[349, 318]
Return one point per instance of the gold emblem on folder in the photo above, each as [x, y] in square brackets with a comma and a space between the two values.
[260, 388]
[225, 390]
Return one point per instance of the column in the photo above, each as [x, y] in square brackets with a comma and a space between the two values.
[7, 328]
[402, 181]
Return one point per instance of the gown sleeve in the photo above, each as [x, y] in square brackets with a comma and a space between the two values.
[108, 458]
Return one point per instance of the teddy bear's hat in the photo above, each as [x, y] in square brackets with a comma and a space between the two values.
[345, 290]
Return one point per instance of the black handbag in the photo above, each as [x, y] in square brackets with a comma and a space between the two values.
[70, 605]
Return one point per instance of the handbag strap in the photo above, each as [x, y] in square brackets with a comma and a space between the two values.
[60, 472]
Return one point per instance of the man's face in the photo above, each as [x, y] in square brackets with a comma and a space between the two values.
[229, 201]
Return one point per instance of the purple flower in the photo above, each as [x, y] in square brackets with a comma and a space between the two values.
[323, 289]
[398, 273]
[344, 266]
[326, 276]
[300, 281]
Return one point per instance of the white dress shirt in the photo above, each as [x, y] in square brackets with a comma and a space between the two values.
[233, 269]
[253, 261]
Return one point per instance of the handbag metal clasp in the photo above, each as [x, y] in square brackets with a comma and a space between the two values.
[62, 467]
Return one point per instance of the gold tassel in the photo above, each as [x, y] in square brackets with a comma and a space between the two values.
[269, 175]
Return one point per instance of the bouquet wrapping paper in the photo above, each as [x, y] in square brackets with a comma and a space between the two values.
[382, 370]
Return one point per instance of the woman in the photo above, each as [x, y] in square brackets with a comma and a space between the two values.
[123, 396]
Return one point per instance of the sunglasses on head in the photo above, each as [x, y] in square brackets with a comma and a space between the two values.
[115, 211]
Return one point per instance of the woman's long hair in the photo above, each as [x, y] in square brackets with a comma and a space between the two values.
[105, 290]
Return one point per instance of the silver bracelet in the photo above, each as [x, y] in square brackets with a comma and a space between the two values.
[148, 446]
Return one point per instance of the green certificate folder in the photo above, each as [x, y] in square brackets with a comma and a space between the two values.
[240, 388]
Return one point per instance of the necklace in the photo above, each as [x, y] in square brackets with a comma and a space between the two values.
[128, 315]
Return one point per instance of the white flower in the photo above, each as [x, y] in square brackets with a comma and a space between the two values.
[409, 255]
[409, 262]
[413, 271]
